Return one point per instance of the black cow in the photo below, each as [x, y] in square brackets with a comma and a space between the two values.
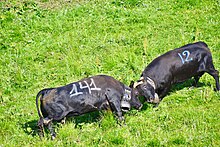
[90, 94]
[178, 65]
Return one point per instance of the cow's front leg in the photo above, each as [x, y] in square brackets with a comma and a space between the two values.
[116, 108]
[115, 104]
[161, 94]
[196, 79]
[156, 105]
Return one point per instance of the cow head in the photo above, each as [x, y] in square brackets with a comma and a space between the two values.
[145, 88]
[128, 101]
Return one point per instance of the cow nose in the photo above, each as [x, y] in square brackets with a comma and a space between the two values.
[151, 99]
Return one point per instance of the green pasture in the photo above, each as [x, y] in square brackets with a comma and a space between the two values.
[50, 43]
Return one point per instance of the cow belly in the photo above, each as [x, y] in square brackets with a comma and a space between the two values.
[182, 74]
[87, 103]
[56, 111]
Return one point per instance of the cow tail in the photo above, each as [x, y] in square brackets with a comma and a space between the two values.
[40, 123]
[37, 97]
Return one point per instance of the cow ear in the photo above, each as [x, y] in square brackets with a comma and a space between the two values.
[131, 84]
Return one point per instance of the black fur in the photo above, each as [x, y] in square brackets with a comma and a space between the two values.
[58, 103]
[176, 66]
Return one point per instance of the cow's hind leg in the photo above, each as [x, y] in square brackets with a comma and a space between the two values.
[210, 69]
[215, 74]
[40, 125]
[49, 123]
[52, 132]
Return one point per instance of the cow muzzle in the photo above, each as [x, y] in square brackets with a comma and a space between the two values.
[154, 100]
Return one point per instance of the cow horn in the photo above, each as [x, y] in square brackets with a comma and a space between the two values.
[138, 83]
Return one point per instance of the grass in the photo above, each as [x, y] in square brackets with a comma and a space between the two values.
[47, 43]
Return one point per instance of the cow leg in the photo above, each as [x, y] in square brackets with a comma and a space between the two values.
[156, 105]
[215, 74]
[48, 122]
[210, 69]
[196, 79]
[63, 121]
[115, 104]
[51, 129]
[162, 93]
[116, 108]
[40, 125]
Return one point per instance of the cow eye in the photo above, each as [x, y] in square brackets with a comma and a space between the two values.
[145, 87]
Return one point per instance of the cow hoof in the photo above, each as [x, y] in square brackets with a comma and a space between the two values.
[140, 107]
[121, 118]
[217, 90]
[63, 121]
[53, 137]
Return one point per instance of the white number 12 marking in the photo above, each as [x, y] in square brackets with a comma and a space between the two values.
[185, 56]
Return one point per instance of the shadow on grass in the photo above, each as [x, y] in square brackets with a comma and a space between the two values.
[86, 118]
[174, 88]
[188, 83]
[31, 127]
